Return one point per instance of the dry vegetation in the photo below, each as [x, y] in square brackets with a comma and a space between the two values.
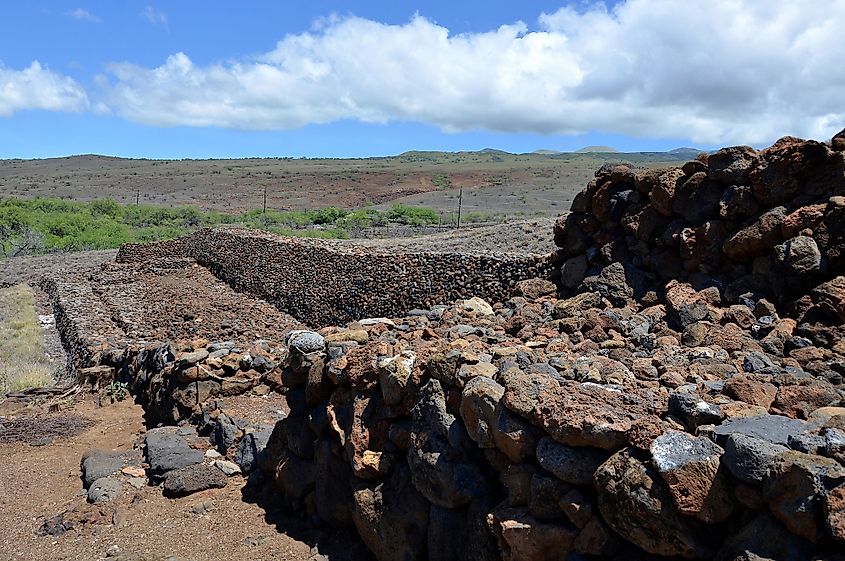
[494, 182]
[23, 363]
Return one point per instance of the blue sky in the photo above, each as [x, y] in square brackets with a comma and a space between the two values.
[294, 78]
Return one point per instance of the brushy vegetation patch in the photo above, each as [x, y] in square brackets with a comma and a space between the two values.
[23, 364]
[42, 225]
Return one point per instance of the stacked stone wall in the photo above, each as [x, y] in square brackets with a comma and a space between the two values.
[323, 283]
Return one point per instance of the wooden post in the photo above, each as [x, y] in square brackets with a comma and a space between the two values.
[264, 209]
[460, 204]
[138, 197]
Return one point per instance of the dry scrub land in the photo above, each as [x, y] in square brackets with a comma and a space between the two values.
[495, 182]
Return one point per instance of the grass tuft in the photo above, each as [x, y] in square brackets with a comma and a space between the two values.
[23, 364]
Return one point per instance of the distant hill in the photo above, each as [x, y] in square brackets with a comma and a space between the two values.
[543, 152]
[594, 149]
[687, 153]
[494, 151]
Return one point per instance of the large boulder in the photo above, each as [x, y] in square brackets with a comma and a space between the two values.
[588, 414]
[757, 237]
[830, 296]
[690, 466]
[638, 505]
[479, 404]
[192, 479]
[168, 449]
[799, 256]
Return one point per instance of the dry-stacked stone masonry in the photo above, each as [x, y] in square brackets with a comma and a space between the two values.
[323, 283]
[680, 394]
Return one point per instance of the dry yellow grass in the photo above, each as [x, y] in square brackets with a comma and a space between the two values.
[22, 361]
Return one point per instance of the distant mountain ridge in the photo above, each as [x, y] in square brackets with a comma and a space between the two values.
[593, 149]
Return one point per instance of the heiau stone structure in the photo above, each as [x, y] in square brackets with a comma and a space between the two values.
[323, 282]
[679, 393]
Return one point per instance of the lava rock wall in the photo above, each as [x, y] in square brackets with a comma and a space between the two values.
[324, 283]
[754, 224]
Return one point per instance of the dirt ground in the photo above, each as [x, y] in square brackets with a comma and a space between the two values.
[232, 523]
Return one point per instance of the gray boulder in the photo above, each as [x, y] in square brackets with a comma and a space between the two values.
[638, 505]
[192, 479]
[751, 459]
[97, 464]
[104, 489]
[251, 445]
[167, 450]
[568, 463]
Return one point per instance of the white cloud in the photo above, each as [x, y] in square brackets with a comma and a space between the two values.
[716, 71]
[82, 14]
[154, 16]
[37, 87]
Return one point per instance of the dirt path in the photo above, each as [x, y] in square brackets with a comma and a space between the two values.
[142, 525]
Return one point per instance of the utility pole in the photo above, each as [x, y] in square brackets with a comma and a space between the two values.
[460, 204]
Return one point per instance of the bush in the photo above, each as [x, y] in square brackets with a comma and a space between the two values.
[34, 226]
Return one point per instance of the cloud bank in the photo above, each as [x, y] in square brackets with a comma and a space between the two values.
[711, 71]
[37, 87]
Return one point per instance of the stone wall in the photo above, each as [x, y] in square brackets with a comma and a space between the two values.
[754, 224]
[325, 283]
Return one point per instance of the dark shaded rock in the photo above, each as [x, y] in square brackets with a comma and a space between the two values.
[522, 537]
[697, 199]
[250, 447]
[295, 477]
[798, 256]
[514, 436]
[731, 165]
[544, 494]
[750, 459]
[438, 465]
[611, 283]
[570, 464]
[333, 494]
[392, 518]
[192, 479]
[756, 238]
[694, 411]
[770, 428]
[830, 296]
[795, 490]
[446, 527]
[738, 203]
[764, 538]
[638, 505]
